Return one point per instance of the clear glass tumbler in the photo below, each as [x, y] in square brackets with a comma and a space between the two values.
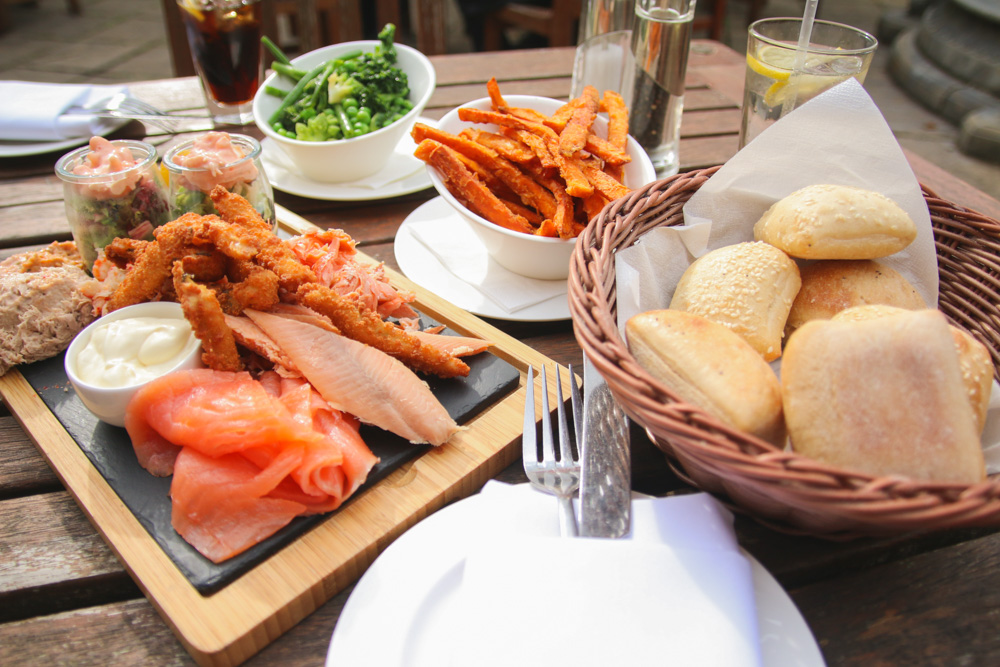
[233, 161]
[774, 87]
[224, 36]
[603, 55]
[661, 38]
[112, 189]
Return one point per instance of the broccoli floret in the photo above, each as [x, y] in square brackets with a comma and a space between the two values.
[341, 86]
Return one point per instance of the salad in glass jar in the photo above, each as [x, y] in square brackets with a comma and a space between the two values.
[112, 189]
[217, 158]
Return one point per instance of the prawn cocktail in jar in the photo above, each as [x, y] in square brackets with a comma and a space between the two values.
[112, 189]
[233, 161]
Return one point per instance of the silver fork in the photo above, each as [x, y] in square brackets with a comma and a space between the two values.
[126, 107]
[558, 475]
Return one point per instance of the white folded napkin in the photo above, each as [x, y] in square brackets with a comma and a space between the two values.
[460, 251]
[675, 591]
[35, 111]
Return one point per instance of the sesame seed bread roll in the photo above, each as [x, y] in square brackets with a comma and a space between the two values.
[836, 222]
[830, 286]
[974, 358]
[710, 366]
[747, 287]
[883, 397]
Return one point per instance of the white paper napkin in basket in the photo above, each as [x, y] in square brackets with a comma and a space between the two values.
[838, 137]
[32, 111]
[675, 591]
[450, 244]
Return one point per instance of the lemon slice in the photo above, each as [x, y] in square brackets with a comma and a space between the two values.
[772, 62]
[193, 9]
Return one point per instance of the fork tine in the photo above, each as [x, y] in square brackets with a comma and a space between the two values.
[529, 443]
[576, 402]
[548, 448]
[565, 449]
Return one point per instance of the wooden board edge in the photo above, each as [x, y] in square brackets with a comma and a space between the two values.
[232, 625]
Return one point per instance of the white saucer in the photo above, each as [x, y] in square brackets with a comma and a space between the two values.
[423, 268]
[400, 611]
[284, 176]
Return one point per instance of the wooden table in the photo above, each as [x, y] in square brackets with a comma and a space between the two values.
[65, 599]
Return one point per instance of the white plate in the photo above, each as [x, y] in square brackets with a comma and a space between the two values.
[400, 611]
[423, 268]
[24, 148]
[284, 177]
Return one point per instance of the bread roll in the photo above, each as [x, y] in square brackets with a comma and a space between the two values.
[710, 366]
[747, 287]
[883, 397]
[973, 358]
[830, 286]
[836, 222]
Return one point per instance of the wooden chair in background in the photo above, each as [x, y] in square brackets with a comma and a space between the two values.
[315, 23]
[558, 23]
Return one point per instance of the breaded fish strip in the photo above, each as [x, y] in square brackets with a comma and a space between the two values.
[143, 281]
[237, 210]
[265, 249]
[367, 327]
[203, 311]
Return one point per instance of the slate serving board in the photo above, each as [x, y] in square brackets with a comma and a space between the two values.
[110, 450]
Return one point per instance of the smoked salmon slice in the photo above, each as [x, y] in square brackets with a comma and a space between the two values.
[247, 456]
[361, 380]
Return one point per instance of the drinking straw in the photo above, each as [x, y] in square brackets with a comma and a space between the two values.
[805, 33]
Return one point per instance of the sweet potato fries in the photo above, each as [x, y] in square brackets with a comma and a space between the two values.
[538, 174]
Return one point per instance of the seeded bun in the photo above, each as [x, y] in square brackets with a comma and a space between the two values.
[830, 286]
[708, 365]
[747, 287]
[836, 222]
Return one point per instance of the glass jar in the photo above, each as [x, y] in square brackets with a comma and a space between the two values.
[112, 189]
[233, 161]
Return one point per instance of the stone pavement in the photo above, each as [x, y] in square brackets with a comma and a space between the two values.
[125, 40]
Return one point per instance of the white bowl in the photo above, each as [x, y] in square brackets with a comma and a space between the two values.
[346, 160]
[532, 256]
[109, 404]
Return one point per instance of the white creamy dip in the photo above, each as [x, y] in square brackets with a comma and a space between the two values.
[122, 353]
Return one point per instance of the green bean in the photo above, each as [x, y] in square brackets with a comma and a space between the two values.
[295, 92]
[277, 92]
[292, 72]
[275, 50]
[345, 122]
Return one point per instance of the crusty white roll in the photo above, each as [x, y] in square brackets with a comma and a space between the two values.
[836, 222]
[710, 366]
[830, 286]
[747, 287]
[883, 397]
[973, 358]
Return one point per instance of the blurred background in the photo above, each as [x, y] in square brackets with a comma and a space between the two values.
[935, 77]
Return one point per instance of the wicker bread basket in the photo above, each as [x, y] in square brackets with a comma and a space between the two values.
[784, 490]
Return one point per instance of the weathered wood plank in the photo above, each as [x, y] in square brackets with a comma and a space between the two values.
[53, 559]
[23, 470]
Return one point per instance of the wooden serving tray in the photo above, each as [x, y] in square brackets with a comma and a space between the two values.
[229, 626]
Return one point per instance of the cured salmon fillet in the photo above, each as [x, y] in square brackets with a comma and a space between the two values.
[361, 380]
[246, 456]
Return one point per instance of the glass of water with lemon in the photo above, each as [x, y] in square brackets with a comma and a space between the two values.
[778, 79]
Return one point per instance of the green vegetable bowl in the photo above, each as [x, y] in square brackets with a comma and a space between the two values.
[322, 121]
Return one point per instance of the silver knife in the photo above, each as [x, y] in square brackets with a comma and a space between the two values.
[606, 476]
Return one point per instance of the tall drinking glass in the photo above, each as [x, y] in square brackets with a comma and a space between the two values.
[773, 85]
[224, 36]
[661, 37]
[603, 55]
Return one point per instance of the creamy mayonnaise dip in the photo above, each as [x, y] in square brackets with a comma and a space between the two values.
[122, 353]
